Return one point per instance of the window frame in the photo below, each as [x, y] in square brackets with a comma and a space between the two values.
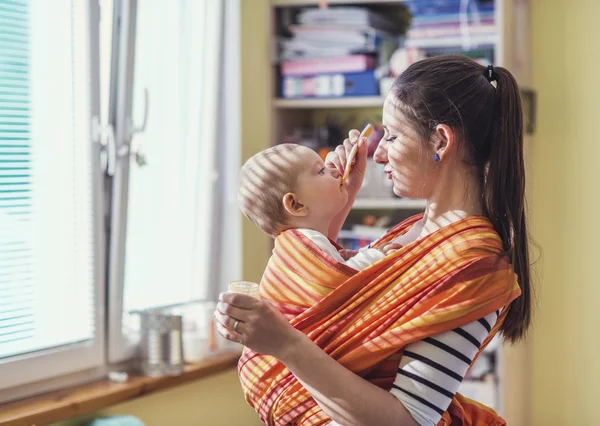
[224, 263]
[120, 113]
[40, 365]
[74, 364]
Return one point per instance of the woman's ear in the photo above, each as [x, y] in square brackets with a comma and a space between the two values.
[443, 140]
[293, 206]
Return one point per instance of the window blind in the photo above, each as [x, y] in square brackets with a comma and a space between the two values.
[16, 251]
[46, 215]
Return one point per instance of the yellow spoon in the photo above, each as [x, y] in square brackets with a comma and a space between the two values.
[364, 134]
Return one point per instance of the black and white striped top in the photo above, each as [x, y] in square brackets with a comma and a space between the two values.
[432, 369]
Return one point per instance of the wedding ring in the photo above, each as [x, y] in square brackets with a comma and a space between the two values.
[235, 325]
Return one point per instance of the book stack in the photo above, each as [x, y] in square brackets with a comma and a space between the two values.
[452, 25]
[335, 52]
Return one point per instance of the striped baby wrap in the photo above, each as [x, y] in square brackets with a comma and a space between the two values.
[363, 319]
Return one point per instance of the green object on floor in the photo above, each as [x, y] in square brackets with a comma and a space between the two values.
[117, 421]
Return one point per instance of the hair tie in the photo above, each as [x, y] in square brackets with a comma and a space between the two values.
[490, 74]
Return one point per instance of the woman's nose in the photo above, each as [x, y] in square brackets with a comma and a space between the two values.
[335, 173]
[380, 155]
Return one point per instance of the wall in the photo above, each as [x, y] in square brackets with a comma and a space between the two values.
[564, 204]
[216, 400]
[256, 111]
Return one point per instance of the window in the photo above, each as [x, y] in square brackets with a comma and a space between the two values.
[166, 236]
[51, 273]
[72, 91]
[173, 188]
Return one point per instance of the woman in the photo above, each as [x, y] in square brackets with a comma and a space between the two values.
[453, 136]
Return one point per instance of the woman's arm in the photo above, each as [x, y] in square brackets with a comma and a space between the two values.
[347, 398]
[428, 377]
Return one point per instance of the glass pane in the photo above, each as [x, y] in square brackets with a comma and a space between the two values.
[163, 251]
[46, 240]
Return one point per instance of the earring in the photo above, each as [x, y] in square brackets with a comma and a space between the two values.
[436, 157]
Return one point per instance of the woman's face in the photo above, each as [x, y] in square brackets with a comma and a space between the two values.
[407, 158]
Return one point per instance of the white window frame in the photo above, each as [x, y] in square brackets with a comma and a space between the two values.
[228, 220]
[45, 364]
[121, 106]
[225, 217]
[73, 364]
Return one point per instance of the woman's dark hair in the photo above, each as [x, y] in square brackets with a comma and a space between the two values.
[488, 120]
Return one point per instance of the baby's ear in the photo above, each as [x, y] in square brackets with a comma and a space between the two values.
[293, 206]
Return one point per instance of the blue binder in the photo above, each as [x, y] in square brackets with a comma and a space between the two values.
[330, 85]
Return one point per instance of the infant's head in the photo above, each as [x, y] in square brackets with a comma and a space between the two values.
[288, 183]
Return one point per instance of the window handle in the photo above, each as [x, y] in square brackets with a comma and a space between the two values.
[131, 129]
[105, 136]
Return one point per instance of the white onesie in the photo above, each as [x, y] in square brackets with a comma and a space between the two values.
[360, 261]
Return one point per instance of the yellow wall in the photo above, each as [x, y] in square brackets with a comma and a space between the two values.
[256, 111]
[565, 343]
[216, 400]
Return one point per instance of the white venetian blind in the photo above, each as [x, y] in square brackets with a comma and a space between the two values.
[46, 215]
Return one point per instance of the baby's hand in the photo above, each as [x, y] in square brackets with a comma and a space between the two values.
[390, 248]
[347, 254]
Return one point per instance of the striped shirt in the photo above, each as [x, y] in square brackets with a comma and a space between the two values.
[432, 369]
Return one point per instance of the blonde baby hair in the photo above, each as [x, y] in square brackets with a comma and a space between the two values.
[264, 179]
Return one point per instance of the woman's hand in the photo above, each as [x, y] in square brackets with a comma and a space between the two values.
[337, 159]
[259, 326]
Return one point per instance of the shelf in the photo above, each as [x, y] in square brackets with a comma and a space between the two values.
[362, 232]
[315, 103]
[297, 3]
[85, 399]
[443, 42]
[389, 203]
[483, 392]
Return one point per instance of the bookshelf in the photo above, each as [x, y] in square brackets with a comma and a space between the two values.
[356, 102]
[474, 42]
[388, 203]
[511, 45]
[304, 3]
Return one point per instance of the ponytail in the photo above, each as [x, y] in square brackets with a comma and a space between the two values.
[504, 196]
[484, 107]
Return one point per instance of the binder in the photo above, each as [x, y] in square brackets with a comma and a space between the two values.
[340, 64]
[330, 85]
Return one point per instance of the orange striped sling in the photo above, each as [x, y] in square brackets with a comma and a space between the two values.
[446, 280]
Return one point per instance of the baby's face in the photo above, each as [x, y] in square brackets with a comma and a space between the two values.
[319, 187]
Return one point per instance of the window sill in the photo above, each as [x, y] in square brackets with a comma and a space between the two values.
[56, 406]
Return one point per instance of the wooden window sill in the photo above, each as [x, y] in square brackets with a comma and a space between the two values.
[60, 405]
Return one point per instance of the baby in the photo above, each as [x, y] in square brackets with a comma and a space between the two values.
[288, 187]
